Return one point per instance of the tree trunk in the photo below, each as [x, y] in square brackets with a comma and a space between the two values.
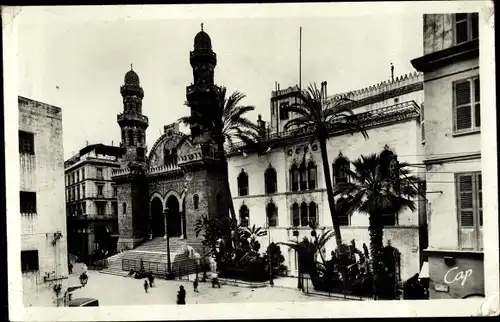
[232, 212]
[376, 244]
[333, 210]
[329, 192]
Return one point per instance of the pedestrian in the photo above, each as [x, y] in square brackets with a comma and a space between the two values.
[215, 281]
[181, 295]
[150, 279]
[195, 285]
[146, 286]
[70, 268]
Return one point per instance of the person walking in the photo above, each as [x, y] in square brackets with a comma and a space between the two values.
[146, 286]
[195, 285]
[150, 279]
[181, 295]
[215, 280]
[70, 267]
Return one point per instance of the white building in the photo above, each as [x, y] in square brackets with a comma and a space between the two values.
[44, 261]
[391, 116]
[452, 120]
[91, 205]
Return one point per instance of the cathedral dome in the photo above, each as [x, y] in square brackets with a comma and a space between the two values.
[202, 41]
[131, 77]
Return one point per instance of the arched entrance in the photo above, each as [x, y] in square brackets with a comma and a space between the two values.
[174, 217]
[157, 218]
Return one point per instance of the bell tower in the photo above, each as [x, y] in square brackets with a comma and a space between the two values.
[131, 179]
[201, 94]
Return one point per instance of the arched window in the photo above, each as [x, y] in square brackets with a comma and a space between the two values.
[130, 137]
[174, 156]
[124, 206]
[244, 216]
[385, 158]
[311, 174]
[270, 180]
[295, 215]
[294, 174]
[272, 214]
[166, 156]
[243, 184]
[313, 217]
[303, 176]
[196, 201]
[340, 167]
[304, 220]
[139, 137]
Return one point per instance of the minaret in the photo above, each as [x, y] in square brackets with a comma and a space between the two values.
[132, 184]
[201, 94]
[132, 122]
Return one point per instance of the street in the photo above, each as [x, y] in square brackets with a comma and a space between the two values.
[116, 290]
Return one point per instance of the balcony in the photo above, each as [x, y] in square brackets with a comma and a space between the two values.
[396, 112]
[133, 118]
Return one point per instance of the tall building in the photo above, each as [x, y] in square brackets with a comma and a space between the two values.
[44, 261]
[451, 125]
[285, 189]
[91, 206]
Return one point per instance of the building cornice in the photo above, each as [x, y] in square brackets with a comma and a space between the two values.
[453, 158]
[90, 160]
[442, 252]
[447, 56]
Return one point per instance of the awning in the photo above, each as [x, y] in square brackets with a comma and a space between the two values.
[424, 272]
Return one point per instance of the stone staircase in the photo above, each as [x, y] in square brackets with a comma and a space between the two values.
[154, 256]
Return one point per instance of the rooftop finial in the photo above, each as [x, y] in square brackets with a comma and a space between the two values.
[202, 26]
[131, 67]
[392, 72]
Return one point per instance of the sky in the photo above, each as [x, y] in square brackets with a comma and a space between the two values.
[79, 65]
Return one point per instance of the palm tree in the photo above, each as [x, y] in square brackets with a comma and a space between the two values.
[225, 123]
[252, 233]
[374, 194]
[321, 116]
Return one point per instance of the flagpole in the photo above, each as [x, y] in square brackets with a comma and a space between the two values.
[300, 59]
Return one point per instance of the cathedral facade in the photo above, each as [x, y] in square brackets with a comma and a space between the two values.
[165, 192]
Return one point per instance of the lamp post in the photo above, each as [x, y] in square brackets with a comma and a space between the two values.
[169, 275]
[83, 281]
[268, 227]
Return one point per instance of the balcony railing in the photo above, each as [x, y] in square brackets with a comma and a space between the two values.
[370, 118]
[132, 117]
[164, 168]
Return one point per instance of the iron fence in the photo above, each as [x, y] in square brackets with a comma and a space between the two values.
[308, 288]
[180, 269]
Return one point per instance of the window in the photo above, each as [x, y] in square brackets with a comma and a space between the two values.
[342, 207]
[100, 190]
[124, 208]
[101, 207]
[166, 156]
[313, 212]
[284, 111]
[77, 176]
[272, 215]
[304, 220]
[130, 137]
[141, 153]
[196, 201]
[311, 175]
[340, 170]
[422, 125]
[29, 261]
[295, 215]
[303, 176]
[73, 178]
[26, 143]
[139, 137]
[243, 184]
[389, 220]
[115, 192]
[83, 174]
[244, 216]
[77, 193]
[466, 27]
[174, 156]
[114, 208]
[294, 174]
[466, 110]
[27, 201]
[470, 210]
[99, 174]
[270, 180]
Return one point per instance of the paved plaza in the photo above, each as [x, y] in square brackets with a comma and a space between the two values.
[116, 290]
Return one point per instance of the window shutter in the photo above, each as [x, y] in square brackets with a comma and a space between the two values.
[479, 185]
[465, 207]
[463, 117]
[477, 105]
